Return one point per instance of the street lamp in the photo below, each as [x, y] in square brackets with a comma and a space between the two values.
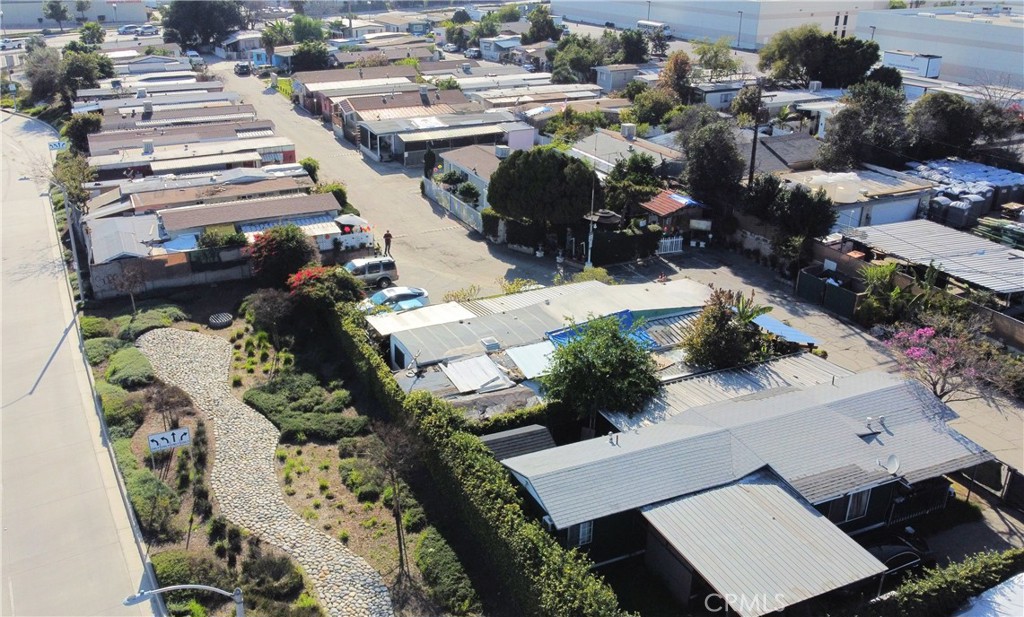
[872, 32]
[739, 30]
[114, 6]
[142, 596]
[648, 10]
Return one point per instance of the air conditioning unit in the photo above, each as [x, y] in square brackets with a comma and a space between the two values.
[501, 151]
[490, 343]
[628, 130]
[814, 86]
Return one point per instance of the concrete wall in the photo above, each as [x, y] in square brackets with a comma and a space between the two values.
[26, 13]
[972, 52]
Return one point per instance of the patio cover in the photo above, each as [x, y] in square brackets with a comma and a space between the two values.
[783, 331]
[565, 335]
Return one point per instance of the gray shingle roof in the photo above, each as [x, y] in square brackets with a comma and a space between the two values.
[518, 441]
[189, 217]
[817, 439]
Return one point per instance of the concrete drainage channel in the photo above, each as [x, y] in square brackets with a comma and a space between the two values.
[244, 479]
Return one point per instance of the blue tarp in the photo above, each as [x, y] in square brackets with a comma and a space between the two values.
[565, 335]
[776, 327]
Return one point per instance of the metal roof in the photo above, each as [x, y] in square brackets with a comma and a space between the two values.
[518, 441]
[962, 255]
[757, 540]
[817, 439]
[669, 331]
[523, 299]
[118, 237]
[476, 374]
[781, 330]
[453, 133]
[311, 226]
[247, 211]
[532, 360]
[203, 161]
[390, 323]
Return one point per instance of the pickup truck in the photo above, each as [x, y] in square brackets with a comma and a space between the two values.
[11, 44]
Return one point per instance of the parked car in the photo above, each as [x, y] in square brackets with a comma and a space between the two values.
[148, 30]
[473, 53]
[902, 554]
[194, 58]
[529, 67]
[397, 299]
[11, 44]
[450, 48]
[242, 68]
[377, 272]
[128, 29]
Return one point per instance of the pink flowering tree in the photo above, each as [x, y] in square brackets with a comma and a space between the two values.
[948, 358]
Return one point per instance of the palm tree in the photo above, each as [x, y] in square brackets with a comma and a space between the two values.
[745, 311]
[275, 34]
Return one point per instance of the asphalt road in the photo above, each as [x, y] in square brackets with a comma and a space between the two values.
[433, 249]
[67, 547]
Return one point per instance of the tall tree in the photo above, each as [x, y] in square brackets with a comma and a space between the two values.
[657, 41]
[482, 30]
[675, 75]
[601, 368]
[746, 102]
[42, 69]
[276, 34]
[456, 35]
[251, 11]
[82, 70]
[713, 164]
[887, 76]
[575, 58]
[57, 11]
[201, 23]
[871, 128]
[91, 33]
[716, 59]
[651, 105]
[461, 17]
[997, 121]
[689, 120]
[79, 127]
[634, 47]
[631, 182]
[544, 186]
[942, 124]
[542, 27]
[307, 29]
[717, 339]
[82, 6]
[279, 252]
[310, 56]
[805, 53]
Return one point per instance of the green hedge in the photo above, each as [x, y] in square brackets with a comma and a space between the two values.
[449, 585]
[491, 220]
[523, 234]
[538, 414]
[97, 350]
[612, 247]
[122, 410]
[95, 327]
[544, 578]
[128, 368]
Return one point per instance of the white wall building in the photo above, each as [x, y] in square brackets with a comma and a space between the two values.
[27, 13]
[977, 46]
[753, 22]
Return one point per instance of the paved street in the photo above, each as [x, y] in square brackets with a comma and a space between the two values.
[433, 249]
[67, 548]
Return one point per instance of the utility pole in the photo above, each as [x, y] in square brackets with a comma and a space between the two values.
[753, 142]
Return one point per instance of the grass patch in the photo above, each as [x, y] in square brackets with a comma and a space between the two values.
[128, 368]
[97, 350]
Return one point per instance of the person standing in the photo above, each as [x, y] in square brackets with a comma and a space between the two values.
[387, 242]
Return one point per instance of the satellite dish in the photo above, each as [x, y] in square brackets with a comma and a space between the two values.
[891, 465]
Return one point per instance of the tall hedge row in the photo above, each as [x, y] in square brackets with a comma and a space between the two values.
[546, 579]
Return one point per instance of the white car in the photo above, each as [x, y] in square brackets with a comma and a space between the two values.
[11, 44]
[450, 48]
[397, 299]
[128, 29]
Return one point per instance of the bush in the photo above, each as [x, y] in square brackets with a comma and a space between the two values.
[468, 192]
[160, 316]
[95, 327]
[124, 456]
[491, 220]
[177, 567]
[449, 585]
[97, 350]
[301, 409]
[368, 493]
[154, 503]
[122, 410]
[128, 368]
[414, 519]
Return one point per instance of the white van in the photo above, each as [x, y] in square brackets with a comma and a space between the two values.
[650, 27]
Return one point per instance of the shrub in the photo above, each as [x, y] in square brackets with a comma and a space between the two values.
[124, 456]
[414, 519]
[95, 327]
[97, 350]
[301, 409]
[153, 501]
[449, 585]
[129, 368]
[177, 567]
[491, 219]
[131, 327]
[122, 410]
[368, 493]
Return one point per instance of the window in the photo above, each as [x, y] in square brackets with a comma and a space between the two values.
[846, 19]
[586, 533]
[837, 20]
[858, 505]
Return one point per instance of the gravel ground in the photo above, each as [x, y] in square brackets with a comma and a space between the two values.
[244, 480]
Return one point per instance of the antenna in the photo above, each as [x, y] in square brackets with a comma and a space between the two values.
[891, 465]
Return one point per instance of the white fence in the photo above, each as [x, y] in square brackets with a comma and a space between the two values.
[462, 211]
[667, 246]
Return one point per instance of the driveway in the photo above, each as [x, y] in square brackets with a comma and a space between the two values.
[433, 249]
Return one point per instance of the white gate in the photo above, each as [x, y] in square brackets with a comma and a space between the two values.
[667, 246]
[463, 211]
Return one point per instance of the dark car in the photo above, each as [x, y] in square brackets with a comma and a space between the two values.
[243, 68]
[902, 554]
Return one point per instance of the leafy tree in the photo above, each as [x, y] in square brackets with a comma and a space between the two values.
[461, 17]
[92, 33]
[571, 126]
[805, 53]
[505, 15]
[456, 35]
[631, 182]
[79, 127]
[688, 120]
[194, 24]
[942, 124]
[82, 6]
[634, 88]
[996, 121]
[320, 288]
[307, 29]
[601, 368]
[717, 339]
[42, 69]
[78, 70]
[542, 27]
[576, 56]
[310, 56]
[745, 103]
[762, 196]
[543, 186]
[57, 11]
[658, 42]
[299, 6]
[651, 105]
[34, 42]
[717, 59]
[217, 238]
[72, 170]
[634, 47]
[806, 214]
[871, 128]
[250, 11]
[848, 60]
[447, 83]
[276, 34]
[713, 164]
[887, 76]
[268, 310]
[279, 252]
[79, 47]
[429, 163]
[482, 30]
[338, 190]
[312, 167]
[675, 76]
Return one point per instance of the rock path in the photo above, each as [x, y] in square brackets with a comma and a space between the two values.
[244, 478]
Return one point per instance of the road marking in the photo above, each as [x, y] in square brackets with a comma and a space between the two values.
[428, 231]
[10, 593]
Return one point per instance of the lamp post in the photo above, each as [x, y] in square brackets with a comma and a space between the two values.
[648, 10]
[114, 6]
[872, 32]
[739, 30]
[590, 238]
[142, 596]
[753, 142]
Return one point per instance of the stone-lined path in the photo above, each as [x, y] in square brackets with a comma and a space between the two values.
[244, 478]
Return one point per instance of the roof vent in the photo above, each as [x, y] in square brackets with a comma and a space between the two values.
[147, 146]
[814, 86]
[501, 151]
[628, 130]
[147, 107]
[490, 343]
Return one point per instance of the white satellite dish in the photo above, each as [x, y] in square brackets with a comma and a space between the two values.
[891, 465]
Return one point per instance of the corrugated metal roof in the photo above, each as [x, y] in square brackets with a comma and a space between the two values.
[390, 323]
[532, 360]
[816, 439]
[476, 374]
[203, 161]
[518, 441]
[523, 299]
[761, 547]
[669, 202]
[962, 255]
[117, 237]
[280, 208]
[311, 226]
[452, 133]
[670, 331]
